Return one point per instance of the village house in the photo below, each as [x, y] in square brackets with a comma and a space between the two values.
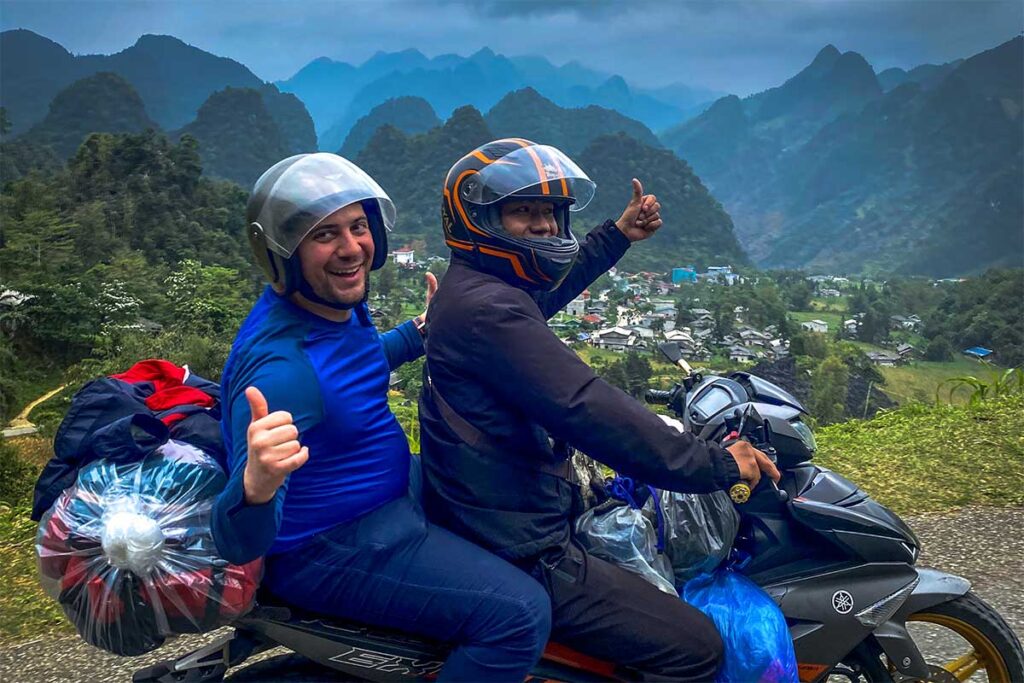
[741, 354]
[690, 348]
[883, 358]
[751, 337]
[906, 352]
[819, 326]
[701, 318]
[910, 322]
[721, 274]
[577, 308]
[404, 256]
[829, 293]
[779, 348]
[850, 327]
[681, 275]
[613, 338]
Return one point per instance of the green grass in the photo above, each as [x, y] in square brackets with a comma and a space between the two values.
[34, 378]
[919, 380]
[25, 610]
[927, 458]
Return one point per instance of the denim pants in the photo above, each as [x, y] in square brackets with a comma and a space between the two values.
[392, 568]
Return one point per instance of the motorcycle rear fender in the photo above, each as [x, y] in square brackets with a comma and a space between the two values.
[933, 588]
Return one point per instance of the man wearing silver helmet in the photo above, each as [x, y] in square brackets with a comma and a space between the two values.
[319, 464]
[506, 396]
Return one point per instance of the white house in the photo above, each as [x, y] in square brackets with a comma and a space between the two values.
[404, 257]
[819, 326]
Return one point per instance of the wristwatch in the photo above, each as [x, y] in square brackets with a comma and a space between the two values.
[421, 325]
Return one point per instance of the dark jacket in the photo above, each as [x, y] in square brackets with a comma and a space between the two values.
[493, 359]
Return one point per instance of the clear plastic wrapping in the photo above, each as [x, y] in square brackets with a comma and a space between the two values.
[699, 531]
[128, 552]
[625, 536]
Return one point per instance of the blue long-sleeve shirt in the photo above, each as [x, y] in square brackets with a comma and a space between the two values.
[333, 378]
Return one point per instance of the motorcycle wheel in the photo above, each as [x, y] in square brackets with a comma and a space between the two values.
[963, 639]
[991, 646]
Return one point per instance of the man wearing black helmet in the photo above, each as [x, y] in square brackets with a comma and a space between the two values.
[505, 396]
[319, 464]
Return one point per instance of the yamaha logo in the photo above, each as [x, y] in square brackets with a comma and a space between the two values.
[842, 602]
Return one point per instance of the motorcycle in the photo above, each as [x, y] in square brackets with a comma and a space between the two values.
[840, 566]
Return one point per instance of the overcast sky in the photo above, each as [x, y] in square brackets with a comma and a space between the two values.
[730, 46]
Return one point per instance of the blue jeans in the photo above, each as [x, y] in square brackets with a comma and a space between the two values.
[392, 568]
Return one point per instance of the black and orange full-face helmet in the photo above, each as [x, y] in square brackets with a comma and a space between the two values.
[507, 170]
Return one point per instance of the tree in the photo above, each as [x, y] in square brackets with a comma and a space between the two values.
[828, 390]
[939, 349]
[207, 300]
[638, 374]
[386, 279]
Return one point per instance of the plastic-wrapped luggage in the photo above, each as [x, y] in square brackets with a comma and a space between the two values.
[128, 552]
[624, 535]
[758, 646]
[699, 531]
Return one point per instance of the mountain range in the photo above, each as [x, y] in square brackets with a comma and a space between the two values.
[916, 171]
[338, 94]
[173, 80]
[831, 171]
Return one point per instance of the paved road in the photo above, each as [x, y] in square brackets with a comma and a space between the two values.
[983, 544]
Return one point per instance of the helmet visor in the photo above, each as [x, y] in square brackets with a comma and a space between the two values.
[545, 170]
[310, 189]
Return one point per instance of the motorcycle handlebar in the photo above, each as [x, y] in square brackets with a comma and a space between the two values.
[658, 396]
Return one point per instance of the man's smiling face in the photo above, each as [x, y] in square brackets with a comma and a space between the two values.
[336, 255]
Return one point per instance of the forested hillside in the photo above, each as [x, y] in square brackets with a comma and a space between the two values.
[103, 103]
[407, 114]
[237, 136]
[172, 79]
[527, 114]
[107, 251]
[697, 231]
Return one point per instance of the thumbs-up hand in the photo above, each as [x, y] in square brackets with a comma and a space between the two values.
[274, 450]
[642, 216]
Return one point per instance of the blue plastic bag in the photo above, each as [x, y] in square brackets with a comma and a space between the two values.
[758, 646]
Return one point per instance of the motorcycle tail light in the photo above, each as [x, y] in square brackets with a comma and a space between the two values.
[881, 611]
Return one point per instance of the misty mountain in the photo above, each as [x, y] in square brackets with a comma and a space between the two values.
[923, 179]
[527, 114]
[102, 103]
[172, 78]
[238, 137]
[338, 94]
[927, 75]
[408, 114]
